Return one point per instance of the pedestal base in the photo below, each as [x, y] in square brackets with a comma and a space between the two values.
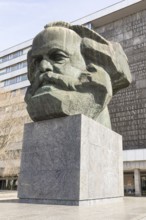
[69, 161]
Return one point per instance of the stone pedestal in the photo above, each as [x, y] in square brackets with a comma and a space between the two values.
[71, 160]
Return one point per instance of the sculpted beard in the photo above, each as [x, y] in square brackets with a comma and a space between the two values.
[67, 95]
[49, 81]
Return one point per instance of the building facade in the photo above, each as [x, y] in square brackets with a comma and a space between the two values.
[13, 67]
[124, 22]
[13, 115]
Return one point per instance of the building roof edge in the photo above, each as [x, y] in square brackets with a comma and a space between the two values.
[121, 5]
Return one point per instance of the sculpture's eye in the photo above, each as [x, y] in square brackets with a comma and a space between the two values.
[58, 56]
[37, 60]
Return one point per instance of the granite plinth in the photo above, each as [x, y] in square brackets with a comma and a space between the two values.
[70, 160]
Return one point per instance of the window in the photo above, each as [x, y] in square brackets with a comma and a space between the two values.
[8, 183]
[16, 66]
[14, 55]
[129, 187]
[143, 184]
[24, 77]
[11, 56]
[13, 68]
[2, 71]
[14, 80]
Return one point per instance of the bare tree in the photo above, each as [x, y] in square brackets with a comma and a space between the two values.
[12, 118]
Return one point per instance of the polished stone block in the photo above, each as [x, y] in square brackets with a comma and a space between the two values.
[70, 160]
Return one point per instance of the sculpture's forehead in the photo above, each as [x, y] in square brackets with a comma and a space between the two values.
[56, 38]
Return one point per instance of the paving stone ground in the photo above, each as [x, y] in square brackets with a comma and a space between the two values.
[130, 208]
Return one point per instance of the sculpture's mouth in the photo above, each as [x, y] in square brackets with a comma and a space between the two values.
[46, 84]
[45, 88]
[47, 79]
[52, 81]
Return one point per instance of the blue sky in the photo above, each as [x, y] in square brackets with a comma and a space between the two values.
[21, 20]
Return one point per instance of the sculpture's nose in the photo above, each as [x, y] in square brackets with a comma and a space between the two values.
[45, 66]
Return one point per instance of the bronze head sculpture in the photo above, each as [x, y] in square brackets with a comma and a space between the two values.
[74, 70]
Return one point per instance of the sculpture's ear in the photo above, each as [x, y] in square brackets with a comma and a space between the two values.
[30, 66]
[110, 57]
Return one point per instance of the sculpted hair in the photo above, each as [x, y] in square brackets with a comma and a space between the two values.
[97, 51]
[81, 30]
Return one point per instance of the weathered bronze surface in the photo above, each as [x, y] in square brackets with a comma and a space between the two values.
[74, 70]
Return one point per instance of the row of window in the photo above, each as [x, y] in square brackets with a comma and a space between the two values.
[16, 79]
[14, 55]
[11, 56]
[9, 183]
[13, 67]
[16, 66]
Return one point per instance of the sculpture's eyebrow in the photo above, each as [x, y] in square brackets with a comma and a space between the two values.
[57, 50]
[49, 51]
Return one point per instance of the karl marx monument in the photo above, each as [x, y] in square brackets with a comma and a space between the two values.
[69, 155]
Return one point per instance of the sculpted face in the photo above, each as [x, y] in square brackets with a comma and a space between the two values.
[54, 53]
[63, 81]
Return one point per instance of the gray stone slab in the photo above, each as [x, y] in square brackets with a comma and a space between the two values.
[70, 160]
